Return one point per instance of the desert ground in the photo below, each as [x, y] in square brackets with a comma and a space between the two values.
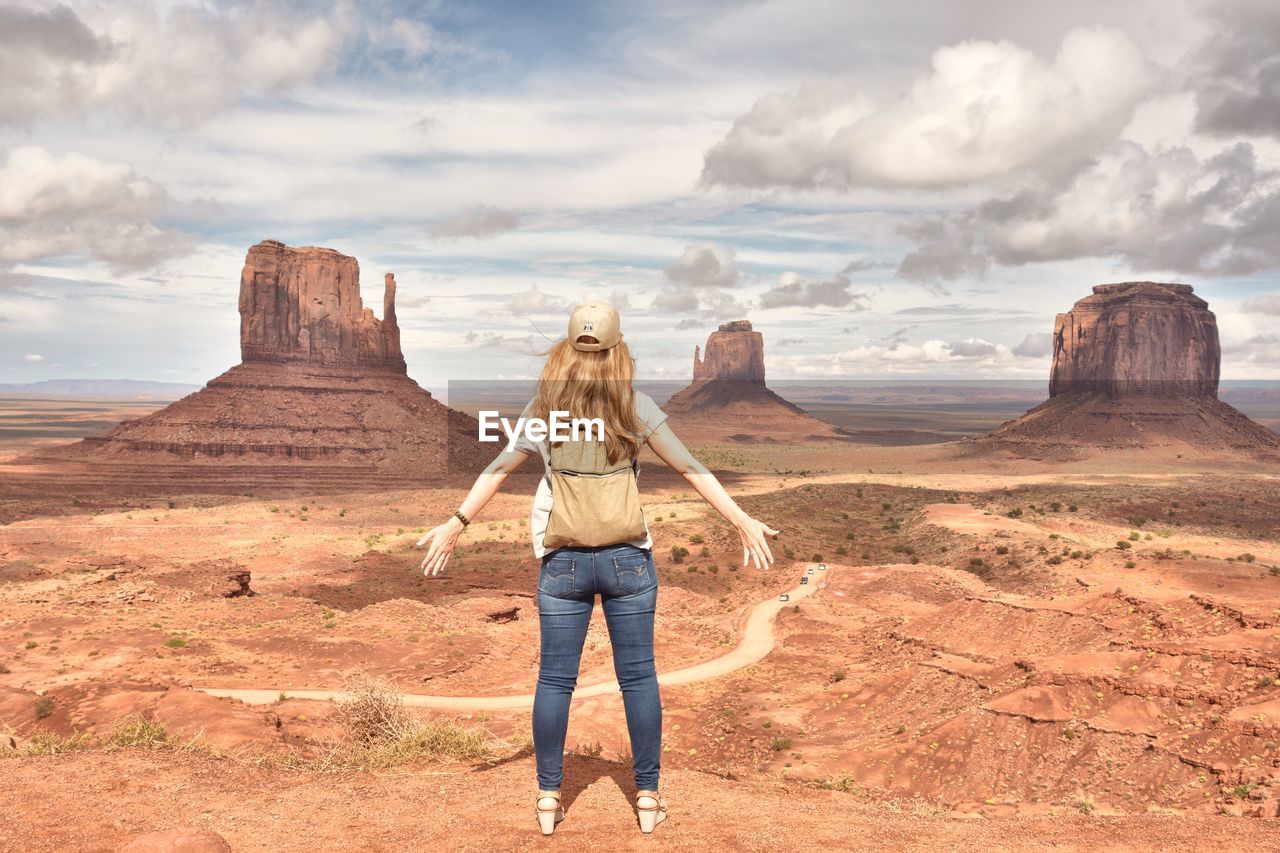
[1003, 652]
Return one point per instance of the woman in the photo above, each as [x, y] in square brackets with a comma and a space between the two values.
[589, 374]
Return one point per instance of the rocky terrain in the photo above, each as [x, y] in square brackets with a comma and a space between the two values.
[729, 399]
[979, 648]
[1065, 646]
[321, 397]
[1135, 364]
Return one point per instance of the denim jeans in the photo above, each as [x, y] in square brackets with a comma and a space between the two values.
[627, 583]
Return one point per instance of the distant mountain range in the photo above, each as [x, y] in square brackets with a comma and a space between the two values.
[129, 389]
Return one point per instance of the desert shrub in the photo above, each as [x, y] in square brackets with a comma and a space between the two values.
[1072, 508]
[49, 743]
[1002, 549]
[379, 731]
[780, 743]
[842, 551]
[591, 750]
[44, 707]
[138, 733]
[817, 558]
[838, 675]
[1124, 545]
[1016, 512]
[696, 539]
[900, 548]
[373, 710]
[1054, 560]
[885, 507]
[678, 553]
[849, 535]
[976, 562]
[844, 784]
[1246, 557]
[175, 642]
[1055, 506]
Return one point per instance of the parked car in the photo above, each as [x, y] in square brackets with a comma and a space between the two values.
[784, 597]
[804, 579]
[822, 567]
[810, 570]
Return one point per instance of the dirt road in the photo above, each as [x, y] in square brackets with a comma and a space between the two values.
[757, 641]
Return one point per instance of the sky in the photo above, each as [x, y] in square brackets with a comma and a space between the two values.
[887, 191]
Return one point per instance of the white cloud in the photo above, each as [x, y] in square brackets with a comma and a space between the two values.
[675, 300]
[972, 348]
[793, 290]
[1035, 345]
[535, 301]
[707, 265]
[168, 68]
[1162, 210]
[985, 110]
[1234, 73]
[897, 356]
[54, 205]
[478, 222]
[1265, 303]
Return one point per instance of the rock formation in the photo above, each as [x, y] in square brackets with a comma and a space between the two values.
[729, 399]
[734, 351]
[304, 305]
[321, 398]
[1136, 364]
[1138, 337]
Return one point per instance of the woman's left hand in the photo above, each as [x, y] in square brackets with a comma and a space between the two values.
[755, 544]
[442, 538]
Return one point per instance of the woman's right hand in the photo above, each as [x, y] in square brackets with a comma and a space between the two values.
[755, 543]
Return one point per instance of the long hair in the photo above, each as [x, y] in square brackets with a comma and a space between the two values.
[593, 385]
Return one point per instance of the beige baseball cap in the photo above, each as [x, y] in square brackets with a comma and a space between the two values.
[594, 326]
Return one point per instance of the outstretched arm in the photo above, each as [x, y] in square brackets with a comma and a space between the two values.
[754, 534]
[444, 536]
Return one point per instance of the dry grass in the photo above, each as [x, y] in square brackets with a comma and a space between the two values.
[379, 731]
[49, 743]
[138, 733]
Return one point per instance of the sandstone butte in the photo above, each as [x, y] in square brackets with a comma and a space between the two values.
[1136, 364]
[321, 398]
[728, 398]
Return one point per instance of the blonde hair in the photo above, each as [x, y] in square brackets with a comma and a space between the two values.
[593, 385]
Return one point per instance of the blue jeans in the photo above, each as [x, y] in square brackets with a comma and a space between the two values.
[627, 582]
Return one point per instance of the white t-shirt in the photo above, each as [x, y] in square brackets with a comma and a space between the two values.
[650, 418]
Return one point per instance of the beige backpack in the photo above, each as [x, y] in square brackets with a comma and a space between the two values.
[593, 503]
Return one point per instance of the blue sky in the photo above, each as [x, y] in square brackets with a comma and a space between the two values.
[886, 191]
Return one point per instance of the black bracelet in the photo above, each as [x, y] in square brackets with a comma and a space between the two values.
[458, 514]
